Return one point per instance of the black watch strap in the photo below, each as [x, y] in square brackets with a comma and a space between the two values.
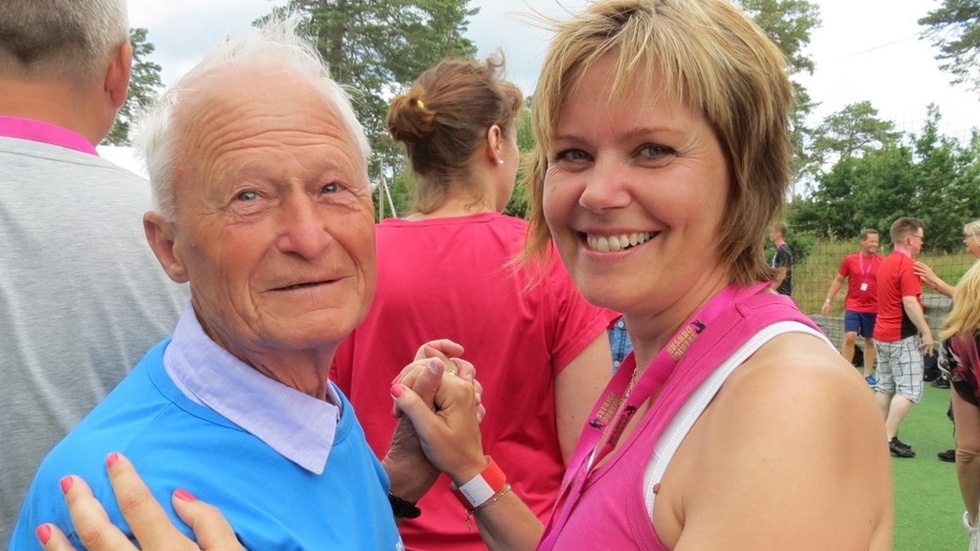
[401, 508]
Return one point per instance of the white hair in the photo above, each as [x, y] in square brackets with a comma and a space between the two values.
[69, 39]
[277, 41]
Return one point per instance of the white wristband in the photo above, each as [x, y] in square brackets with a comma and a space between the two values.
[477, 491]
[482, 487]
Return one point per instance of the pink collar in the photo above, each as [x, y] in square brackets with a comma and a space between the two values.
[901, 251]
[45, 132]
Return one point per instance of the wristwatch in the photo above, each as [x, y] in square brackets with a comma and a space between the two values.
[403, 509]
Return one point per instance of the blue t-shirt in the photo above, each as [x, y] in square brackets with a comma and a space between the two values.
[270, 502]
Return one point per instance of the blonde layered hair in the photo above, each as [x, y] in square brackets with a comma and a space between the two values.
[963, 320]
[712, 57]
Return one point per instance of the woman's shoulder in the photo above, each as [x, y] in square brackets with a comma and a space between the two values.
[796, 360]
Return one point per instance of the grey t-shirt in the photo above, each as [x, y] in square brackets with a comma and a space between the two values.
[82, 298]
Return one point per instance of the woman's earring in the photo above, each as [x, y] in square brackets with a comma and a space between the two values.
[500, 161]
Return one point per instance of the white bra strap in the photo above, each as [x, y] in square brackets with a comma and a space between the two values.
[692, 409]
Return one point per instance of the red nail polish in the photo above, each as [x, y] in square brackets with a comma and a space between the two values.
[397, 390]
[66, 483]
[43, 533]
[111, 459]
[184, 495]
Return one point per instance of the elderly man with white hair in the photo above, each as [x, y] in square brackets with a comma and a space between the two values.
[259, 168]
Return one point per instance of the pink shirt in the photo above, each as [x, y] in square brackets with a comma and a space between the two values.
[45, 132]
[611, 507]
[449, 278]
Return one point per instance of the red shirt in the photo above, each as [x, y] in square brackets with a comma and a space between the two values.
[896, 279]
[449, 278]
[862, 282]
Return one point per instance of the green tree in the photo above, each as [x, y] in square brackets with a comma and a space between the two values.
[859, 192]
[517, 206]
[789, 24]
[948, 191]
[144, 87]
[928, 176]
[378, 47]
[855, 130]
[954, 28]
[393, 197]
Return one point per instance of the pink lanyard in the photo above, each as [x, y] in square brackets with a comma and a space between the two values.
[612, 413]
[865, 273]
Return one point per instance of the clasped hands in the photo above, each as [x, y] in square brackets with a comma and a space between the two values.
[437, 398]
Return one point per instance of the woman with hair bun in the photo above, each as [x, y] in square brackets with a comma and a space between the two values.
[445, 271]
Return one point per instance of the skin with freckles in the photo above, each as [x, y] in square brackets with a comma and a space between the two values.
[274, 223]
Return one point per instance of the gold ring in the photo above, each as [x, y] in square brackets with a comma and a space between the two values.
[453, 372]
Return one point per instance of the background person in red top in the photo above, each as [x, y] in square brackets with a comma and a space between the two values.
[445, 269]
[861, 304]
[901, 333]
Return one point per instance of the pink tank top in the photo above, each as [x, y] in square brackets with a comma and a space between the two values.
[611, 508]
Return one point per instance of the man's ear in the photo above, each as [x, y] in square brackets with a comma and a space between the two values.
[116, 83]
[161, 235]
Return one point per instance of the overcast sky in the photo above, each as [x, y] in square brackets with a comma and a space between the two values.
[865, 50]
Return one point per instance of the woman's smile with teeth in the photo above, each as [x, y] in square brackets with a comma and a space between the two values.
[613, 243]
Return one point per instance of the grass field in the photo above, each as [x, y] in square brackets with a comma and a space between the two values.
[928, 507]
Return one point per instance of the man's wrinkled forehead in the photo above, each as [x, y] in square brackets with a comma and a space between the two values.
[224, 98]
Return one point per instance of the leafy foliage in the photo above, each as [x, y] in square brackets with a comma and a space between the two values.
[789, 23]
[393, 196]
[378, 48]
[954, 28]
[928, 176]
[854, 131]
[144, 87]
[518, 205]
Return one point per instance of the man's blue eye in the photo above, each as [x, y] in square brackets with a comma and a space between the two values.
[331, 188]
[247, 196]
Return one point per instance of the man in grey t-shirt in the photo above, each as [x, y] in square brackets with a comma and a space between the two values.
[81, 295]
